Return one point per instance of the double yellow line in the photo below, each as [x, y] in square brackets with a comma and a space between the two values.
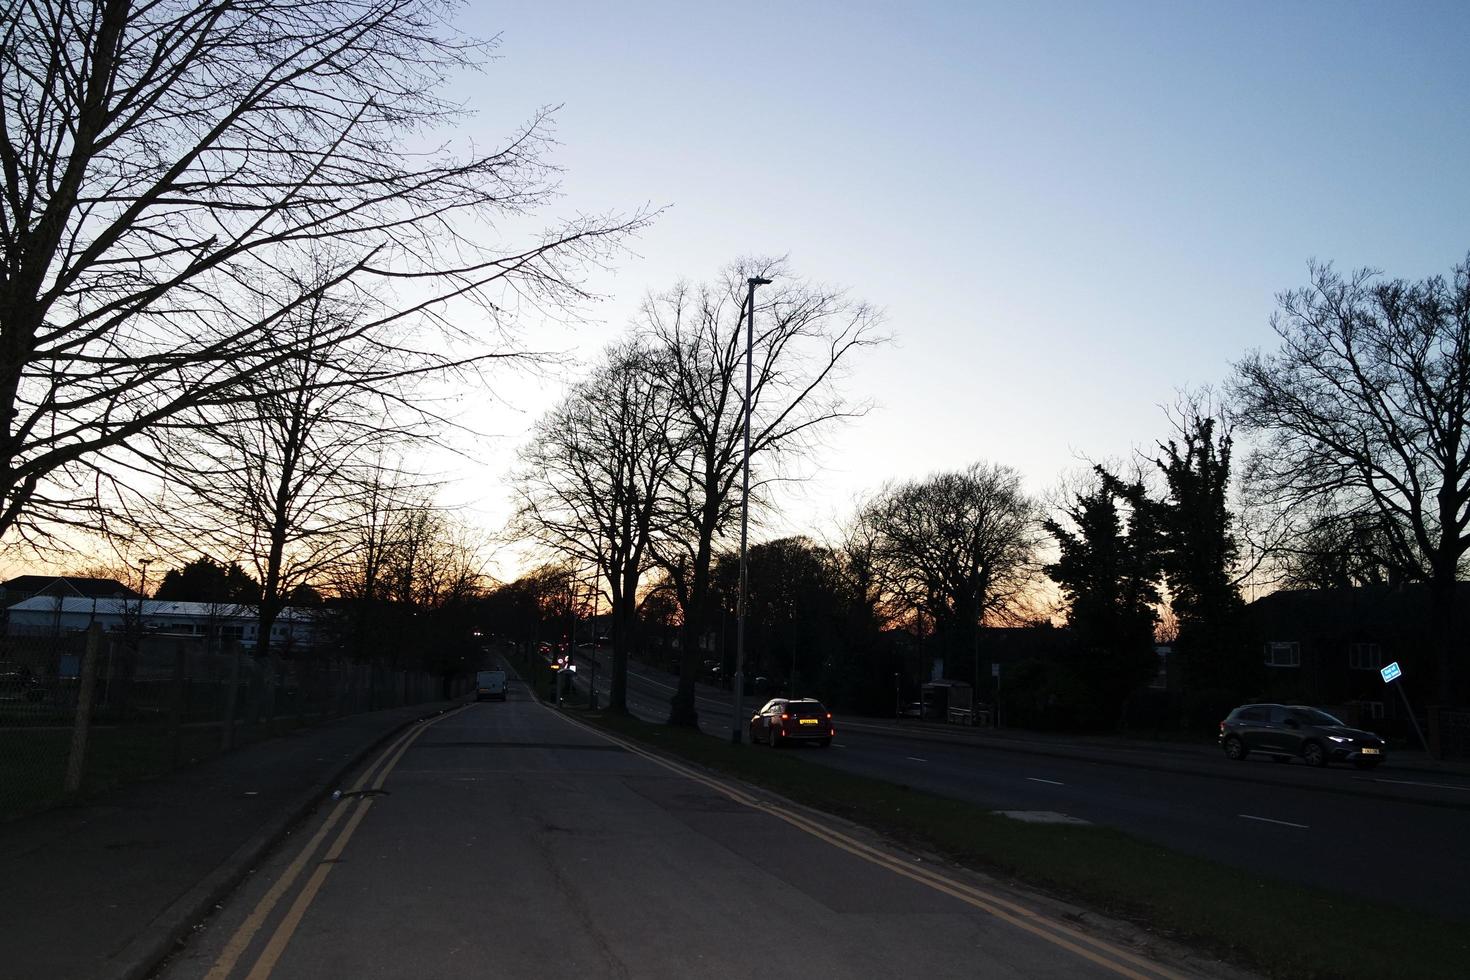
[352, 806]
[1090, 948]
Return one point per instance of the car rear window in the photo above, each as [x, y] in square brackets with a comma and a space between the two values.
[806, 708]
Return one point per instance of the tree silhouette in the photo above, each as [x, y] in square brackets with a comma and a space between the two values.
[804, 336]
[163, 163]
[1109, 569]
[206, 580]
[1364, 411]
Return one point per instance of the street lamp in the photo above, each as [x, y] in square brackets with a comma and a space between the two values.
[737, 724]
[142, 589]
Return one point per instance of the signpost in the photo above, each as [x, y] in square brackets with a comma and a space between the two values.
[1390, 674]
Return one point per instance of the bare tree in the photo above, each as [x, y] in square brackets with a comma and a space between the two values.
[274, 478]
[593, 478]
[162, 163]
[406, 591]
[958, 547]
[804, 337]
[1364, 412]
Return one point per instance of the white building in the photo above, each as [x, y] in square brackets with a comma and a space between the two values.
[46, 614]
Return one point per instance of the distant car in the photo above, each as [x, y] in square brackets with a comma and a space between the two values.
[785, 720]
[17, 683]
[1287, 732]
[490, 684]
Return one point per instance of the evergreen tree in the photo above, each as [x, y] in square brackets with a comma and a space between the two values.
[1200, 553]
[1109, 574]
[206, 580]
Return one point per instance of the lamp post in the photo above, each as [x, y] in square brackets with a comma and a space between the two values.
[142, 589]
[737, 724]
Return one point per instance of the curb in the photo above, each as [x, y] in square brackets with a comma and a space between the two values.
[163, 934]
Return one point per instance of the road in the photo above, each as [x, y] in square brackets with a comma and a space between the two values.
[504, 840]
[1389, 836]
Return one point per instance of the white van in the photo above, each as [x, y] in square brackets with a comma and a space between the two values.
[490, 684]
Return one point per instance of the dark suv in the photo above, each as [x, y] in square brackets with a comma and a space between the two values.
[1285, 731]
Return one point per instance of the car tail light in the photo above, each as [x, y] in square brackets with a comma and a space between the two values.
[829, 716]
[784, 716]
[1222, 726]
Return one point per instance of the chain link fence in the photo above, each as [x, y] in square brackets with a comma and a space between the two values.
[82, 712]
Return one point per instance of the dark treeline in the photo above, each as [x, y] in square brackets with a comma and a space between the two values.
[1354, 472]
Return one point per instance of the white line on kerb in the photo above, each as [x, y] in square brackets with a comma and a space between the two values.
[914, 758]
[1050, 782]
[1299, 826]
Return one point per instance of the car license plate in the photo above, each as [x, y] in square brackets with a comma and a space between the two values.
[1371, 751]
[808, 721]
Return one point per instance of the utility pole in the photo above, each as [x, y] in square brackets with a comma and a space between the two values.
[737, 722]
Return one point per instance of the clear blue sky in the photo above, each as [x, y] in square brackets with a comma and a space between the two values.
[1068, 210]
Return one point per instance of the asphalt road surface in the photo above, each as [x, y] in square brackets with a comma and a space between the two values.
[503, 840]
[1384, 835]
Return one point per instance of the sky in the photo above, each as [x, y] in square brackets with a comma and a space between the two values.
[1069, 212]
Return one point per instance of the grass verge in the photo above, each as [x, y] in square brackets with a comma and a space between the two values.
[1276, 928]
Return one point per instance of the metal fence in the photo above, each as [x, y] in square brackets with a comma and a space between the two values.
[81, 712]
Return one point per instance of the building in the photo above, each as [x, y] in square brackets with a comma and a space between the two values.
[24, 587]
[57, 613]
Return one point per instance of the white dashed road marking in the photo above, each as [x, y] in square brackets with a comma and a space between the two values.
[1283, 823]
[1049, 782]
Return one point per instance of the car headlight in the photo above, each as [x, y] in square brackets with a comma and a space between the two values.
[1339, 738]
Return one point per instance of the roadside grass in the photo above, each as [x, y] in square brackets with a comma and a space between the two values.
[33, 761]
[1276, 928]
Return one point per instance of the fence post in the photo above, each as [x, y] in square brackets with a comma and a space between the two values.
[232, 697]
[83, 720]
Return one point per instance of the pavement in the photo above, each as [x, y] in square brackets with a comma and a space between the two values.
[108, 887]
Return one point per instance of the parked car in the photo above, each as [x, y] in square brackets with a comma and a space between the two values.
[914, 709]
[1285, 732]
[17, 683]
[785, 720]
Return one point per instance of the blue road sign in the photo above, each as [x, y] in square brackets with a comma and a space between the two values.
[1391, 672]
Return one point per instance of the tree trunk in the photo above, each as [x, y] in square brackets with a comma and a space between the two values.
[617, 698]
[1444, 617]
[682, 708]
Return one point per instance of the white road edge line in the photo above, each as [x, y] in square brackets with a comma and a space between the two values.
[1284, 823]
[1049, 782]
[914, 758]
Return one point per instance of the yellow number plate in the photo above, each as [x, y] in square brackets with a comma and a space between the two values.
[808, 721]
